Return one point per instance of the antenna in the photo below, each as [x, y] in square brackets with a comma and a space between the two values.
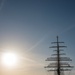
[59, 65]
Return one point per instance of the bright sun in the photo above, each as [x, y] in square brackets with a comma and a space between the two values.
[9, 59]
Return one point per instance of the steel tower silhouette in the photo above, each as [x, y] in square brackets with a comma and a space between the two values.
[59, 64]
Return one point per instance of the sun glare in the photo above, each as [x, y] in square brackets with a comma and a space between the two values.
[9, 59]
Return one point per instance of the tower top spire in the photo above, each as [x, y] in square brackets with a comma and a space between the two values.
[57, 38]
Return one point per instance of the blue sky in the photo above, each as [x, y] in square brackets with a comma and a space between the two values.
[29, 27]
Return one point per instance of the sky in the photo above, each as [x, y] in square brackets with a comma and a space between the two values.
[27, 27]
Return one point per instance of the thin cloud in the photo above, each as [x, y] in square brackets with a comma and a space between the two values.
[40, 41]
[33, 61]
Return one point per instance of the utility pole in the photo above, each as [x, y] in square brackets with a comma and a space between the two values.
[59, 65]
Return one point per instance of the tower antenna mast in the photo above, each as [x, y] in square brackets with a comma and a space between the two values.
[59, 64]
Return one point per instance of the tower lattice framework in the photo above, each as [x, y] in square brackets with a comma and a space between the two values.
[59, 62]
